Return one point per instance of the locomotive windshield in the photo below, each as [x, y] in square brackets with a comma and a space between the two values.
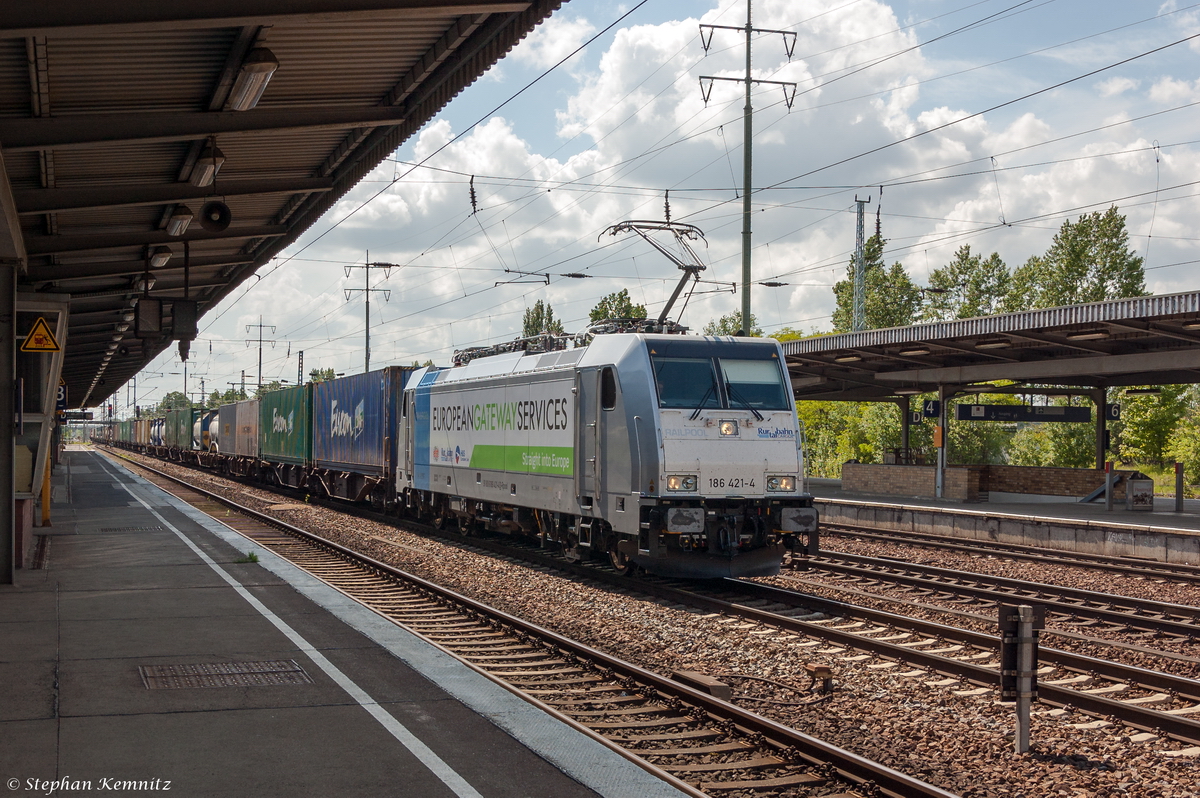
[686, 382]
[753, 383]
[725, 382]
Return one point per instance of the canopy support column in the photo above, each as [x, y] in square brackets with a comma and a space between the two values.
[1100, 399]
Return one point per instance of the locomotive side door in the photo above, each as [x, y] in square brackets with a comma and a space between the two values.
[588, 467]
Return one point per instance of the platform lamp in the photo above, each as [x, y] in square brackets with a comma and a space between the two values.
[159, 257]
[180, 218]
[252, 79]
[207, 165]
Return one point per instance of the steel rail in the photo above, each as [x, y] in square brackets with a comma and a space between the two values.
[873, 568]
[1068, 660]
[1132, 715]
[816, 753]
[1019, 551]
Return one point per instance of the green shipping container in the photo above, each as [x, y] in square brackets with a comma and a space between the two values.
[178, 431]
[283, 425]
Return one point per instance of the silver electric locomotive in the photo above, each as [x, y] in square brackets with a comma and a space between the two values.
[679, 454]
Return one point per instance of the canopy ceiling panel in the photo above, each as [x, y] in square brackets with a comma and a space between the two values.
[110, 111]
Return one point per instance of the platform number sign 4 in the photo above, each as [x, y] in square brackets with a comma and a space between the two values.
[931, 408]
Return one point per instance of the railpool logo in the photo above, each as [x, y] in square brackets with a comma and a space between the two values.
[343, 425]
[280, 423]
[778, 432]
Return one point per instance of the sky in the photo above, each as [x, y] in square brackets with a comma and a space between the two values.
[985, 123]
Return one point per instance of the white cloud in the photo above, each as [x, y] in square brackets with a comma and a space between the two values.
[552, 41]
[632, 124]
[1170, 91]
[1114, 86]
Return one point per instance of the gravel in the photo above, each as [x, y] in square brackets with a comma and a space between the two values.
[960, 743]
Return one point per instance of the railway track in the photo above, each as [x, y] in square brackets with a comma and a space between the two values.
[1065, 606]
[701, 743]
[1151, 703]
[1129, 566]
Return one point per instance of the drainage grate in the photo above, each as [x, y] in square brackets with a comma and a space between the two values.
[132, 529]
[41, 553]
[223, 674]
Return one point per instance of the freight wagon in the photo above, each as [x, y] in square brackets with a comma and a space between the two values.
[677, 454]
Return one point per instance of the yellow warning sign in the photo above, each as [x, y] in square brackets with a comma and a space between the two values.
[40, 339]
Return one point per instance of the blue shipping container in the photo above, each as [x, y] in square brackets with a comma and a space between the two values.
[355, 420]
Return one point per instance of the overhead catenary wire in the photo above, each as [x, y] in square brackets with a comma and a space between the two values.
[765, 205]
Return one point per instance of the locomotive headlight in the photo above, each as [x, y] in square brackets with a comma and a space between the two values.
[781, 484]
[728, 427]
[682, 482]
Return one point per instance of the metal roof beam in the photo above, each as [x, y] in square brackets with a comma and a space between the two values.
[48, 200]
[971, 350]
[1093, 367]
[1156, 329]
[51, 17]
[49, 245]
[66, 272]
[1063, 342]
[12, 242]
[75, 132]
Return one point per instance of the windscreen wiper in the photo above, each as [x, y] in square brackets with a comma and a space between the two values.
[733, 394]
[696, 413]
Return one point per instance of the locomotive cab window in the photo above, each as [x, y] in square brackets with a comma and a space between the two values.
[686, 382]
[754, 383]
[608, 389]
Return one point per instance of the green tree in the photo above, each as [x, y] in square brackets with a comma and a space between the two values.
[789, 334]
[1058, 444]
[892, 299]
[966, 287]
[1087, 261]
[540, 319]
[267, 387]
[979, 442]
[1025, 287]
[320, 375]
[617, 306]
[1147, 424]
[731, 324]
[174, 399]
[229, 397]
[1185, 441]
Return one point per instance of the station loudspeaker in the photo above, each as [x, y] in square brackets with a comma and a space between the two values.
[215, 216]
[122, 351]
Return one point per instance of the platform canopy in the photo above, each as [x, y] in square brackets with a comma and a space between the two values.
[1152, 340]
[113, 115]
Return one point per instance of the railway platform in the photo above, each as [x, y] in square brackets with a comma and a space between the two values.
[142, 653]
[1054, 522]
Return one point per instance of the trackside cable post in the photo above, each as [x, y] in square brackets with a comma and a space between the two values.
[1179, 487]
[1108, 486]
[1019, 662]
